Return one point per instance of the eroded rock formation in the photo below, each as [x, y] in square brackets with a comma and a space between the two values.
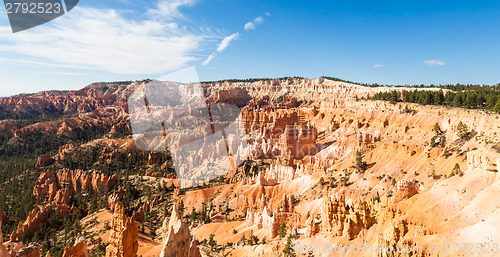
[392, 238]
[37, 217]
[261, 217]
[83, 100]
[341, 219]
[79, 249]
[194, 250]
[177, 236]
[43, 161]
[115, 198]
[312, 227]
[484, 160]
[405, 189]
[32, 250]
[123, 238]
[50, 184]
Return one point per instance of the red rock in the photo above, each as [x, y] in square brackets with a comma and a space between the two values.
[32, 250]
[177, 192]
[236, 95]
[36, 218]
[62, 196]
[49, 184]
[44, 160]
[194, 250]
[82, 100]
[115, 198]
[339, 219]
[123, 238]
[405, 189]
[261, 217]
[3, 218]
[79, 249]
[139, 215]
[45, 187]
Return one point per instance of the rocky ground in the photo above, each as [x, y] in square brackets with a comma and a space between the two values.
[327, 171]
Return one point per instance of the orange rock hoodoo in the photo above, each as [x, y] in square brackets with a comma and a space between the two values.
[79, 249]
[341, 219]
[49, 184]
[123, 238]
[178, 241]
[263, 218]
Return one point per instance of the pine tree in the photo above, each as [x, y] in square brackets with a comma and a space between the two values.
[462, 130]
[497, 106]
[359, 161]
[457, 170]
[457, 101]
[180, 207]
[282, 231]
[212, 243]
[288, 248]
[437, 128]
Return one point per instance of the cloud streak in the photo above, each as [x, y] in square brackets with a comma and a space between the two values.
[433, 63]
[209, 59]
[251, 25]
[376, 66]
[169, 9]
[227, 41]
[222, 46]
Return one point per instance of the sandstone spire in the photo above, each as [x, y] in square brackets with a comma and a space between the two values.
[123, 239]
[177, 236]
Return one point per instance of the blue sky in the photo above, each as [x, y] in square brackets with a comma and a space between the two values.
[391, 42]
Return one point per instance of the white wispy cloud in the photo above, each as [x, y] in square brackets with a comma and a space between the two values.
[227, 41]
[433, 63]
[169, 9]
[108, 40]
[252, 24]
[209, 59]
[378, 66]
[222, 46]
[258, 20]
[249, 26]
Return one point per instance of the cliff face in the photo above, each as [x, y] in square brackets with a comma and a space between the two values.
[482, 159]
[52, 193]
[55, 187]
[37, 217]
[83, 100]
[123, 238]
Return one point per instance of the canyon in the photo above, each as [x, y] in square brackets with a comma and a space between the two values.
[320, 164]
